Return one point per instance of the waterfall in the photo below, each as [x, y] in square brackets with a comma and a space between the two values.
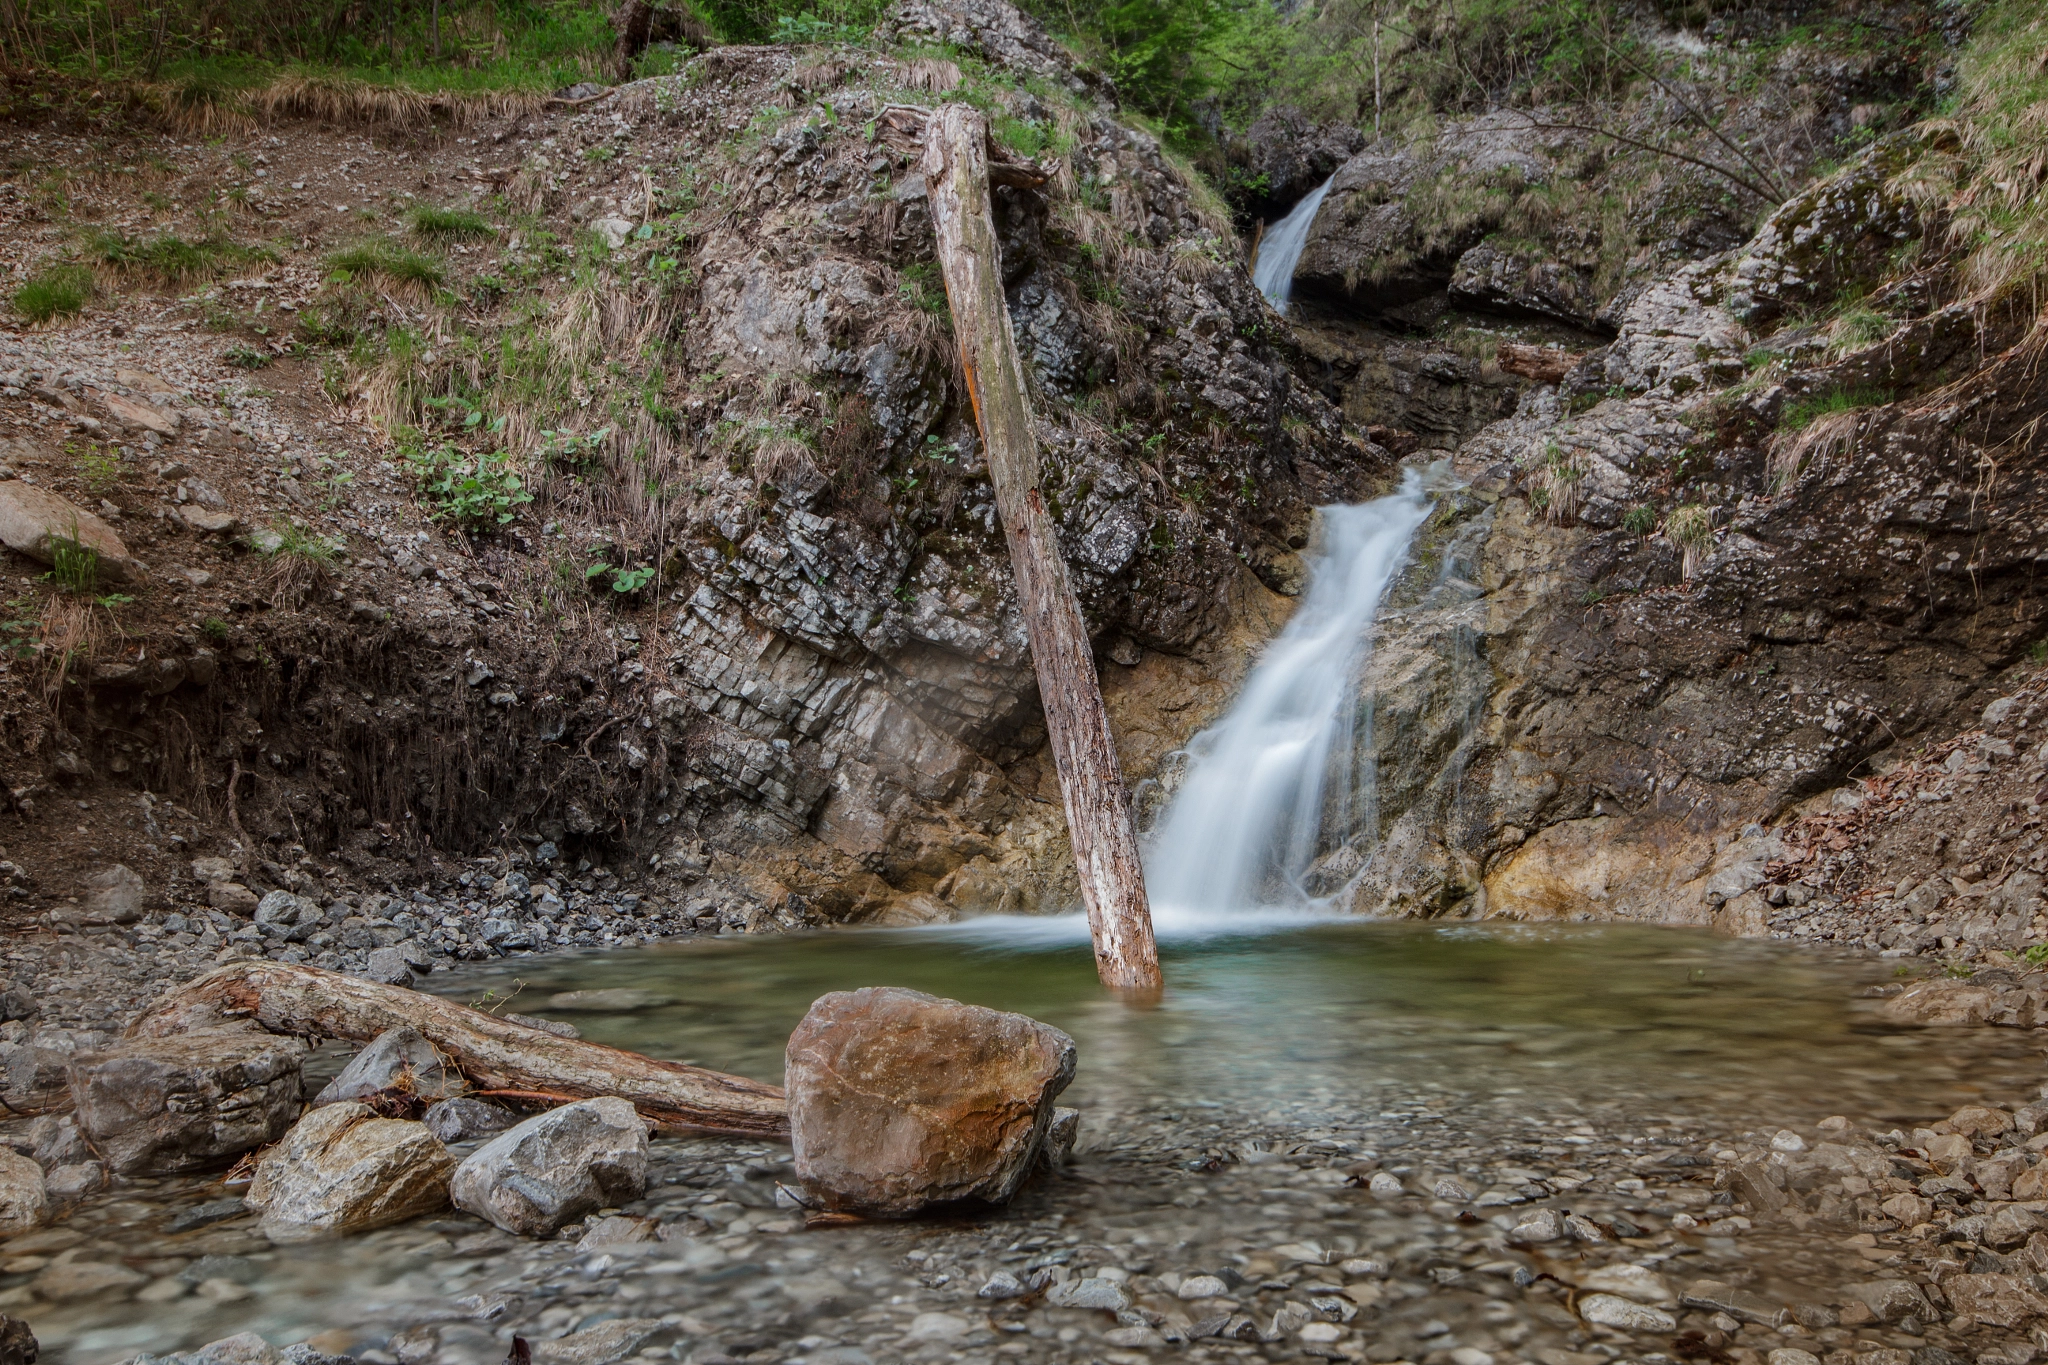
[1280, 248]
[1272, 785]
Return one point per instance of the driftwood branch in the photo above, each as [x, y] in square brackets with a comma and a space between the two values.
[492, 1053]
[1105, 841]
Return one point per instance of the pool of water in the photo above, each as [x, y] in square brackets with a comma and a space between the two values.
[1228, 1126]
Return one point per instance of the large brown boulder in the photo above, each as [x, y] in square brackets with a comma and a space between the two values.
[899, 1100]
[152, 1106]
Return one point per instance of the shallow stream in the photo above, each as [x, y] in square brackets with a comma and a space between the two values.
[1230, 1130]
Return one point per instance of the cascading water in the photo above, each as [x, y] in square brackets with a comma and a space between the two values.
[1280, 248]
[1272, 786]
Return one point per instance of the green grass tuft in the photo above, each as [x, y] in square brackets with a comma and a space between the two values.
[57, 292]
[446, 223]
[390, 262]
[172, 260]
[1806, 411]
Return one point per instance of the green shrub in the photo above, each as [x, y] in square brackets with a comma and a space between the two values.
[1639, 521]
[57, 292]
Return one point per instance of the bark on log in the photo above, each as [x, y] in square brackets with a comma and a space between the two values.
[493, 1053]
[956, 171]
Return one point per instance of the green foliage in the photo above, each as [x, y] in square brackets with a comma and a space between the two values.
[792, 21]
[215, 629]
[624, 582]
[920, 286]
[472, 490]
[1690, 526]
[21, 632]
[1639, 521]
[243, 356]
[1166, 56]
[1806, 411]
[440, 223]
[59, 291]
[2038, 651]
[99, 466]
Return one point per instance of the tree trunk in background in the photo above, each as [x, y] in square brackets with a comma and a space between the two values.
[492, 1053]
[1105, 841]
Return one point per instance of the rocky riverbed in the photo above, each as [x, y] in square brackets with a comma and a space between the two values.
[1646, 1145]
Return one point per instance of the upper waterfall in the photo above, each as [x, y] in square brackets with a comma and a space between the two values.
[1273, 785]
[1280, 248]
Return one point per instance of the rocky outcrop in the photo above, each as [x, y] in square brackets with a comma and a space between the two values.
[900, 1100]
[160, 1105]
[1282, 156]
[556, 1167]
[342, 1169]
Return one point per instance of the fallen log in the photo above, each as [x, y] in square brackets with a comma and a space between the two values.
[1105, 841]
[492, 1053]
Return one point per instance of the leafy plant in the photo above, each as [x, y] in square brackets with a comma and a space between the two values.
[289, 540]
[214, 629]
[243, 356]
[21, 633]
[474, 490]
[57, 292]
[99, 466]
[623, 581]
[1639, 521]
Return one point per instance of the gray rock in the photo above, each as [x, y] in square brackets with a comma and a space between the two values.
[75, 1180]
[388, 966]
[1611, 1310]
[455, 1120]
[398, 1058]
[207, 1214]
[617, 1231]
[1089, 1293]
[599, 1345]
[1202, 1287]
[554, 1168]
[1715, 1296]
[343, 1169]
[154, 1106]
[1002, 1285]
[1889, 1300]
[116, 894]
[1056, 1149]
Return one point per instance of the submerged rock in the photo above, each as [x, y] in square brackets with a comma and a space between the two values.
[343, 1169]
[899, 1100]
[556, 1167]
[457, 1119]
[157, 1105]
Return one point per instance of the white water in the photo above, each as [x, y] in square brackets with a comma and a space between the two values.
[1280, 248]
[1272, 786]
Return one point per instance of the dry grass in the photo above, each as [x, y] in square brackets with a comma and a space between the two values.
[1793, 452]
[344, 100]
[930, 74]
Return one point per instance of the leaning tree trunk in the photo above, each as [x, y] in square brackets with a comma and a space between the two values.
[1105, 841]
[492, 1053]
